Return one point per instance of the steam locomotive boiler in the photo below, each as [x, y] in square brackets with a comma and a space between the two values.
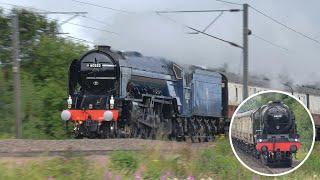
[269, 133]
[124, 94]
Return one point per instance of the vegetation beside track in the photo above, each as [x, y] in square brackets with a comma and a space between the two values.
[216, 162]
[45, 57]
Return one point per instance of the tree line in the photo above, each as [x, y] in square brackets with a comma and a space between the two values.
[45, 57]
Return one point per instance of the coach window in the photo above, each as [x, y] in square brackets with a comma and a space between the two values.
[236, 93]
[308, 101]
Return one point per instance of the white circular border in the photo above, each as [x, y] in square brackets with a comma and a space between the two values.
[283, 173]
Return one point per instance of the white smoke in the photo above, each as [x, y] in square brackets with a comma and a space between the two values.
[152, 35]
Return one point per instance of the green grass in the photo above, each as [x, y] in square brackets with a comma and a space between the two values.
[57, 168]
[5, 136]
[300, 155]
[216, 162]
[126, 162]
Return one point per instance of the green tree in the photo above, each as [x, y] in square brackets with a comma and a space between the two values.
[45, 58]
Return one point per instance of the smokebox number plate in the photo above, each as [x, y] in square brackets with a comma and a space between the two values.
[95, 65]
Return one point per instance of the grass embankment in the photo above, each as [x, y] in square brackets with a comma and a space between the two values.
[217, 162]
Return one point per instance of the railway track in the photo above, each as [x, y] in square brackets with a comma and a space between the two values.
[30, 148]
[257, 165]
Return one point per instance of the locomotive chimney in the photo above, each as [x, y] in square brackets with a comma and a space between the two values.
[104, 48]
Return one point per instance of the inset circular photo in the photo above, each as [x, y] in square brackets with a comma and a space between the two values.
[272, 133]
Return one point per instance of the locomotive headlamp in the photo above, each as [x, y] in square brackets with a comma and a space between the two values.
[108, 115]
[69, 101]
[259, 140]
[96, 83]
[65, 115]
[293, 148]
[111, 102]
[264, 148]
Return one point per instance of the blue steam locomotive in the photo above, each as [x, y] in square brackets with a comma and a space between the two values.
[124, 94]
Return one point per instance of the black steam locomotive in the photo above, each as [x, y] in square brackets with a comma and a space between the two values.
[124, 94]
[269, 133]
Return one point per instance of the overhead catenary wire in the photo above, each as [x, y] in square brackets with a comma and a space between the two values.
[81, 14]
[199, 31]
[198, 11]
[24, 22]
[89, 27]
[215, 37]
[212, 22]
[62, 12]
[95, 20]
[101, 6]
[229, 2]
[158, 12]
[25, 7]
[75, 24]
[285, 26]
[126, 11]
[80, 39]
[68, 36]
[269, 42]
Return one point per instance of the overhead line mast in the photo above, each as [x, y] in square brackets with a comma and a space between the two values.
[246, 33]
[16, 74]
[245, 52]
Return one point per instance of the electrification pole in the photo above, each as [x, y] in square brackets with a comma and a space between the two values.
[16, 74]
[245, 51]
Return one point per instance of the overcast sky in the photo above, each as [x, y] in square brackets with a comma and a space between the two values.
[153, 35]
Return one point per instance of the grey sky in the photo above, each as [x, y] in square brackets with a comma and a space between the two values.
[150, 34]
